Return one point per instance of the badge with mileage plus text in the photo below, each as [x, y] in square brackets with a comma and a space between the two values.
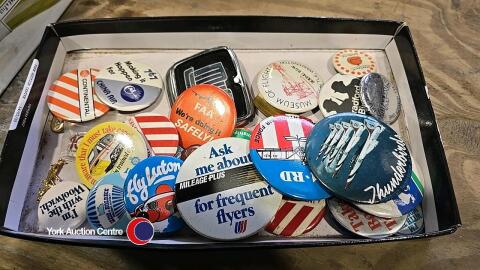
[344, 150]
[277, 149]
[107, 148]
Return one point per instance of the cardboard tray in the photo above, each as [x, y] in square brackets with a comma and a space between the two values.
[257, 41]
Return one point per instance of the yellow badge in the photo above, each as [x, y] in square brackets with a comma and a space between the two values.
[107, 148]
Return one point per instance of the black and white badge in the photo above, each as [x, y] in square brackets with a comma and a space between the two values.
[219, 193]
[380, 97]
[341, 94]
[218, 66]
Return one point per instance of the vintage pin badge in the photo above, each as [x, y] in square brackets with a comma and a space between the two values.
[341, 94]
[159, 132]
[295, 218]
[354, 62]
[149, 192]
[220, 195]
[128, 86]
[361, 223]
[402, 204]
[105, 204]
[72, 97]
[107, 148]
[203, 113]
[380, 97]
[344, 150]
[217, 66]
[63, 206]
[242, 133]
[414, 223]
[277, 149]
[286, 87]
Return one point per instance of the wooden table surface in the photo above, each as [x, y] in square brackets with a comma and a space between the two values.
[447, 37]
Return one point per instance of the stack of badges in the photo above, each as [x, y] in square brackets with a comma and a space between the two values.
[105, 204]
[287, 87]
[219, 193]
[219, 67]
[341, 94]
[381, 97]
[72, 97]
[159, 132]
[107, 148]
[150, 192]
[128, 86]
[277, 148]
[203, 113]
[354, 62]
[63, 206]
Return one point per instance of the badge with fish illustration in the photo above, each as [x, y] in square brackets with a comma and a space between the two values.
[358, 158]
[150, 192]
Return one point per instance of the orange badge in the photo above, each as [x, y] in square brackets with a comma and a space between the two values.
[203, 113]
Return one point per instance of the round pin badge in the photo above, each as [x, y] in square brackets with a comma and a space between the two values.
[287, 86]
[295, 218]
[72, 97]
[344, 150]
[361, 223]
[105, 204]
[220, 195]
[203, 113]
[159, 132]
[63, 206]
[354, 62]
[128, 86]
[414, 223]
[405, 202]
[107, 148]
[242, 133]
[341, 94]
[150, 192]
[380, 97]
[277, 149]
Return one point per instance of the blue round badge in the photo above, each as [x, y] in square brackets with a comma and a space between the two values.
[132, 92]
[414, 223]
[149, 192]
[277, 149]
[105, 204]
[358, 158]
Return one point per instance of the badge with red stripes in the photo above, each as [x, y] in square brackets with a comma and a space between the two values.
[72, 97]
[295, 218]
[159, 132]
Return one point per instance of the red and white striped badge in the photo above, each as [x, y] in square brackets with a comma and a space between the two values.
[72, 97]
[159, 132]
[295, 218]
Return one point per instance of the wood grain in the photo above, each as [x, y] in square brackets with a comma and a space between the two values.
[447, 36]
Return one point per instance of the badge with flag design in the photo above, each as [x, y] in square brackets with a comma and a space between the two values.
[72, 97]
[295, 218]
[159, 132]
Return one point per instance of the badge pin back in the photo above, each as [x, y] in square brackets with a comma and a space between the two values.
[341, 94]
[128, 86]
[63, 206]
[343, 152]
[72, 97]
[217, 66]
[380, 97]
[107, 148]
[354, 62]
[361, 223]
[203, 113]
[159, 132]
[220, 195]
[149, 192]
[402, 204]
[287, 86]
[295, 218]
[57, 125]
[414, 223]
[277, 149]
[105, 204]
